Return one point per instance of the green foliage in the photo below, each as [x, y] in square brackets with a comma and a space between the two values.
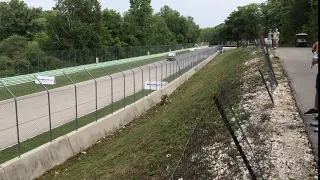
[248, 22]
[17, 18]
[33, 40]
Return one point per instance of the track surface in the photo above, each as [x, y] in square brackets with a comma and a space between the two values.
[33, 110]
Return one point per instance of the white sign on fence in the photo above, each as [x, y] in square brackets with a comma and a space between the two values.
[46, 80]
[154, 85]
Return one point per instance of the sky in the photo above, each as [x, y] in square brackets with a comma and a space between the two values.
[207, 13]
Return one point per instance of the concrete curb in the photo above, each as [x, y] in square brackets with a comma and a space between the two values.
[35, 163]
[2, 174]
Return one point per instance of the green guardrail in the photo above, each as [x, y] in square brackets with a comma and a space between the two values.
[10, 81]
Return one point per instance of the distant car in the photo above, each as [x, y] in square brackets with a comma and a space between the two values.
[171, 58]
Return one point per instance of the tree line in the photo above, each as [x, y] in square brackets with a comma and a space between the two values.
[26, 33]
[250, 21]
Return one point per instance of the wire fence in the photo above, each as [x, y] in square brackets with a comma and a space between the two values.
[219, 146]
[39, 61]
[34, 113]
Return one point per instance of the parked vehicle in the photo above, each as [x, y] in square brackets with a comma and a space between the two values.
[301, 40]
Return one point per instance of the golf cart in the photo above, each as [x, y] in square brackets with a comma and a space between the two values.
[301, 40]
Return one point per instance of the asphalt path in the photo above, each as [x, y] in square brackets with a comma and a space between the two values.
[296, 63]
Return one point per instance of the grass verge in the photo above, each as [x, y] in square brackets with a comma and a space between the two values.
[140, 150]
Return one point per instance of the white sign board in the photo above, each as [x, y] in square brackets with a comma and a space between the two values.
[45, 80]
[154, 85]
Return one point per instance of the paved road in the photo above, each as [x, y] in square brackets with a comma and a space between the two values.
[296, 63]
[33, 111]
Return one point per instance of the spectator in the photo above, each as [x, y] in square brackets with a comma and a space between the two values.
[270, 38]
[315, 109]
[276, 38]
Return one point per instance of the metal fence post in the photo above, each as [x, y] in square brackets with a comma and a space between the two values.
[49, 106]
[96, 92]
[141, 75]
[17, 117]
[134, 82]
[149, 74]
[161, 76]
[241, 129]
[124, 85]
[111, 88]
[170, 70]
[156, 75]
[166, 69]
[264, 82]
[75, 97]
[228, 125]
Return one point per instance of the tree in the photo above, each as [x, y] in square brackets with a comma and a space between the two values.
[114, 24]
[161, 34]
[138, 22]
[76, 24]
[17, 18]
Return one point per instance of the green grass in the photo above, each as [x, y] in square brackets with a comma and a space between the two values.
[31, 87]
[139, 151]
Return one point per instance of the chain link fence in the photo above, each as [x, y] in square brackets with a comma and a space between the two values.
[32, 113]
[40, 61]
[222, 144]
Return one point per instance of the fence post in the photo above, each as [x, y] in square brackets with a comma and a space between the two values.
[241, 129]
[269, 64]
[141, 75]
[134, 82]
[170, 70]
[264, 82]
[226, 122]
[124, 85]
[75, 97]
[161, 76]
[96, 91]
[156, 75]
[149, 74]
[49, 106]
[111, 87]
[17, 117]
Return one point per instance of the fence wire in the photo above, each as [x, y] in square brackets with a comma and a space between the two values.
[33, 114]
[56, 59]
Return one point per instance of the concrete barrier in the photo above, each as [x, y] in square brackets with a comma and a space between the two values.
[36, 162]
[91, 133]
[2, 174]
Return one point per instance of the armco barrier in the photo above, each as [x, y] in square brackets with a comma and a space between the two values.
[36, 162]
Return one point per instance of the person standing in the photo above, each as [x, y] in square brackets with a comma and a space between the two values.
[270, 37]
[315, 109]
[276, 38]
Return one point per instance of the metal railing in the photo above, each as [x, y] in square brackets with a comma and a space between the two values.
[30, 120]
